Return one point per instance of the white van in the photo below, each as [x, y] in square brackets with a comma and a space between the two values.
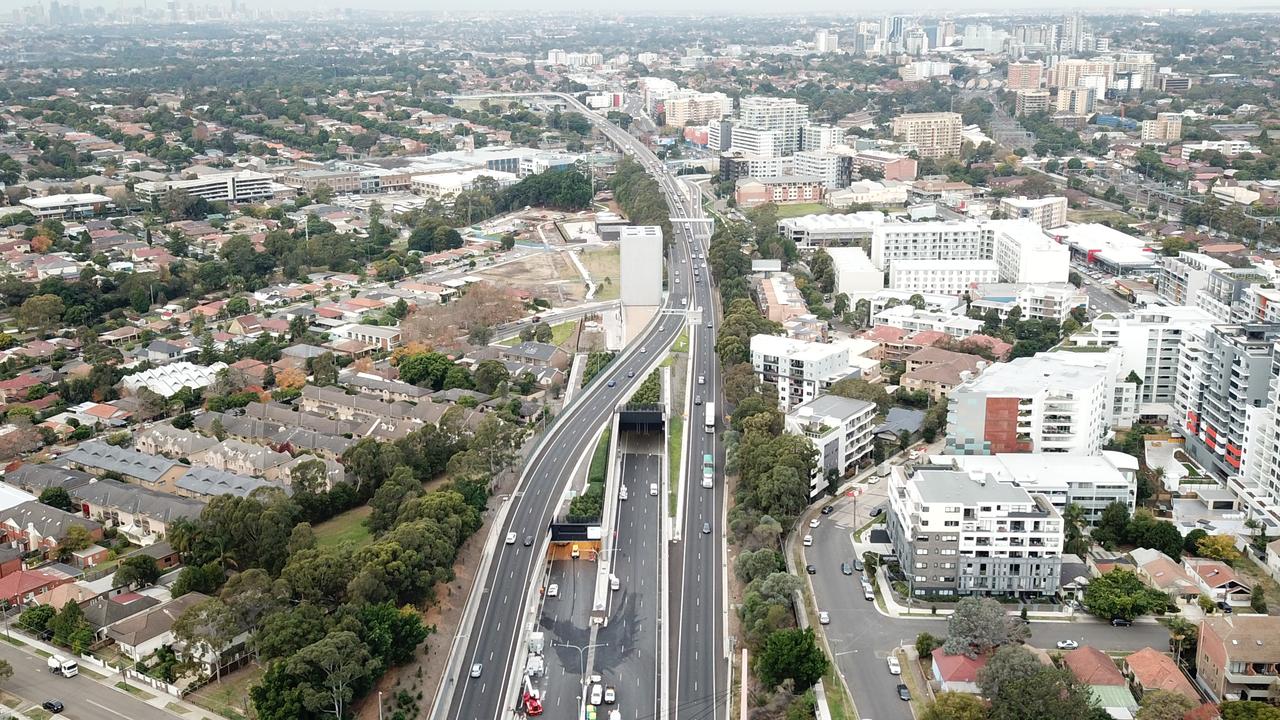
[614, 583]
[653, 488]
[622, 492]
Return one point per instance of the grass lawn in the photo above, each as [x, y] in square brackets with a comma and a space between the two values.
[605, 269]
[35, 712]
[682, 342]
[347, 528]
[226, 697]
[675, 433]
[600, 458]
[135, 690]
[787, 211]
[176, 709]
[559, 334]
[1094, 216]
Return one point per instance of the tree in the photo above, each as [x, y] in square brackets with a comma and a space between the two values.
[926, 643]
[791, 654]
[330, 670]
[1073, 518]
[1113, 524]
[1218, 547]
[1009, 663]
[1120, 594]
[955, 706]
[1258, 599]
[324, 368]
[58, 497]
[71, 629]
[1248, 710]
[36, 618]
[77, 538]
[1050, 693]
[863, 390]
[979, 625]
[393, 634]
[1192, 540]
[41, 312]
[542, 332]
[137, 570]
[207, 629]
[488, 375]
[1164, 705]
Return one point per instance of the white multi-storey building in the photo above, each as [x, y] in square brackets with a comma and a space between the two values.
[803, 370]
[840, 429]
[757, 141]
[242, 186]
[819, 164]
[1025, 254]
[1091, 481]
[821, 137]
[1047, 301]
[1181, 279]
[835, 229]
[942, 277]
[934, 134]
[697, 108]
[913, 320]
[969, 533]
[1257, 484]
[941, 240]
[854, 274]
[641, 264]
[1047, 212]
[785, 115]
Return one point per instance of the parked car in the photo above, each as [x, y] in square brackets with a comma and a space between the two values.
[877, 512]
[1068, 644]
[903, 692]
[824, 618]
[1120, 622]
[895, 668]
[1224, 607]
[610, 695]
[811, 569]
[857, 565]
[846, 568]
[828, 509]
[597, 694]
[808, 540]
[813, 523]
[53, 706]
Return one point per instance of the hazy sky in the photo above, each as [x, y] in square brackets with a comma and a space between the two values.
[726, 7]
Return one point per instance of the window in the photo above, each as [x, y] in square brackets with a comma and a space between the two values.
[922, 551]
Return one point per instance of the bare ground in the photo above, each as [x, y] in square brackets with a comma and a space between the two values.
[549, 275]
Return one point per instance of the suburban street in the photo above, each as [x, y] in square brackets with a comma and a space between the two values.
[83, 697]
[860, 637]
[628, 654]
[494, 630]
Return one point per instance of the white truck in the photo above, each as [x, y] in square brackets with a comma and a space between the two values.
[62, 666]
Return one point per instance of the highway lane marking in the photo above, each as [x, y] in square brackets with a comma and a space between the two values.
[104, 707]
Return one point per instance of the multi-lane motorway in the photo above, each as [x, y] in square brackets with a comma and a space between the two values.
[493, 626]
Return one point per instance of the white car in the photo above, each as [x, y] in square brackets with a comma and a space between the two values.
[1068, 644]
[813, 523]
[824, 618]
[894, 667]
[610, 695]
[808, 540]
[476, 669]
[597, 694]
[553, 590]
[511, 538]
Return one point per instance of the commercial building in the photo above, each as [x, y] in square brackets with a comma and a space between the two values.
[75, 205]
[445, 186]
[968, 533]
[942, 277]
[1031, 404]
[1047, 212]
[1150, 340]
[831, 230]
[1031, 102]
[934, 135]
[891, 166]
[803, 370]
[1112, 251]
[855, 276]
[1181, 279]
[1166, 127]
[239, 187]
[1091, 481]
[1224, 378]
[840, 429]
[1023, 75]
[641, 265]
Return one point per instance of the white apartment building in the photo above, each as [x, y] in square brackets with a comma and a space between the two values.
[826, 230]
[445, 186]
[757, 141]
[942, 277]
[785, 115]
[913, 320]
[940, 240]
[1166, 127]
[1181, 279]
[821, 137]
[967, 533]
[1036, 404]
[242, 186]
[1091, 481]
[934, 134]
[1150, 341]
[1230, 148]
[1077, 100]
[840, 429]
[1075, 73]
[855, 275]
[819, 164]
[803, 370]
[1257, 485]
[654, 91]
[1047, 301]
[1025, 254]
[1047, 212]
[697, 108]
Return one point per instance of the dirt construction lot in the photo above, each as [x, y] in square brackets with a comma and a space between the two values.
[547, 275]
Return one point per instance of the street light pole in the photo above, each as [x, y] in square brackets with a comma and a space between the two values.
[582, 658]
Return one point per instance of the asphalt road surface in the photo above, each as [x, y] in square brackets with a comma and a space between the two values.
[83, 697]
[861, 638]
[495, 631]
[628, 654]
[565, 622]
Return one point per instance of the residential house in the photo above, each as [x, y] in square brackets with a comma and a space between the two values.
[36, 478]
[1219, 581]
[173, 442]
[376, 336]
[536, 354]
[34, 526]
[1107, 685]
[1165, 574]
[10, 560]
[60, 595]
[141, 514]
[936, 371]
[957, 673]
[140, 635]
[236, 456]
[96, 456]
[1237, 656]
[1150, 669]
[22, 586]
[200, 482]
[106, 609]
[95, 554]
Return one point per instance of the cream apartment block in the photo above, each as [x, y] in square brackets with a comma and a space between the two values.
[696, 108]
[803, 370]
[942, 277]
[1182, 279]
[1031, 102]
[935, 134]
[1167, 127]
[1047, 212]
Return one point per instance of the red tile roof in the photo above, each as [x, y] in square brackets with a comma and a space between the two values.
[1093, 667]
[1154, 670]
[958, 668]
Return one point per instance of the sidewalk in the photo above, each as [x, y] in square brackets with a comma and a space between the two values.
[158, 699]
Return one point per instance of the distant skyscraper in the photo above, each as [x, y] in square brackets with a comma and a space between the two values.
[1073, 33]
[892, 31]
[825, 41]
[944, 33]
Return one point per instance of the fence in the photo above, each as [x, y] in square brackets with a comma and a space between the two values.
[153, 683]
